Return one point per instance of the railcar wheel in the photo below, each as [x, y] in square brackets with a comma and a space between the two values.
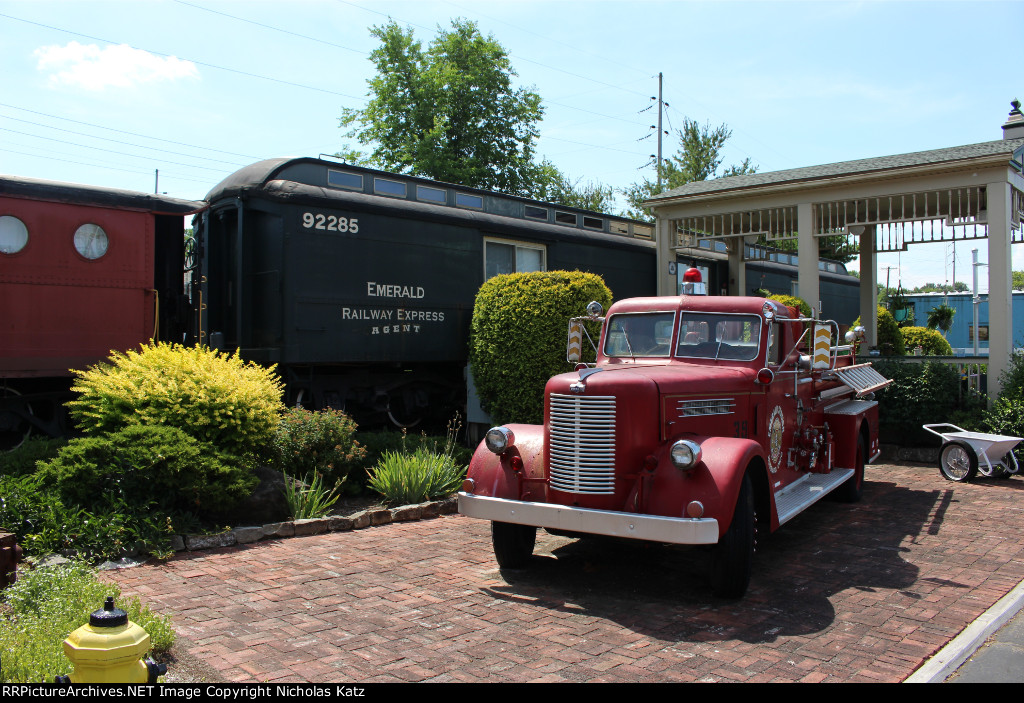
[14, 428]
[958, 462]
[733, 556]
[513, 544]
[852, 490]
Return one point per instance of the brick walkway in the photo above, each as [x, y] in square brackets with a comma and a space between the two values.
[842, 593]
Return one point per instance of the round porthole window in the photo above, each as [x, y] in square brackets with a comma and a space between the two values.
[13, 234]
[91, 241]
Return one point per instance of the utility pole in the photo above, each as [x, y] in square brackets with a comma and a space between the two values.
[660, 104]
[156, 182]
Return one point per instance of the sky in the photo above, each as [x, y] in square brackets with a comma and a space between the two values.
[110, 93]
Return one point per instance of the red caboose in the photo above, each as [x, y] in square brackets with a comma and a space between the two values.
[83, 270]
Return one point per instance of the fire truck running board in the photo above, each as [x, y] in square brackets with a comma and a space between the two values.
[806, 491]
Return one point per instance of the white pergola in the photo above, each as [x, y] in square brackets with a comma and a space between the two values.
[887, 204]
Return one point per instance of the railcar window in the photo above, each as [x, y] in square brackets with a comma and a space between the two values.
[708, 336]
[475, 202]
[385, 187]
[91, 241]
[565, 218]
[344, 179]
[593, 222]
[433, 195]
[13, 234]
[618, 227]
[536, 213]
[639, 334]
[509, 257]
[645, 231]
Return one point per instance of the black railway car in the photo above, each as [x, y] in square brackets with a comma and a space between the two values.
[360, 284]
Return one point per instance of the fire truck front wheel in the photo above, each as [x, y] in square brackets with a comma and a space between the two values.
[733, 556]
[513, 544]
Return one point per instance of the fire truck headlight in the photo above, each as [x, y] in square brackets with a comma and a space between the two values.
[685, 454]
[498, 439]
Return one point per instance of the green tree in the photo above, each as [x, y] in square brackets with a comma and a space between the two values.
[1018, 280]
[553, 186]
[449, 112]
[697, 159]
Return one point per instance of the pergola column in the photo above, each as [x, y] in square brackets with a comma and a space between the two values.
[869, 286]
[807, 272]
[737, 266]
[1000, 311]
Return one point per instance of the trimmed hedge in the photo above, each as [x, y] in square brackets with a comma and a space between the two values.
[518, 337]
[932, 341]
[890, 339]
[792, 301]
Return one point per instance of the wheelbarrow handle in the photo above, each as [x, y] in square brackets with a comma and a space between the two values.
[942, 424]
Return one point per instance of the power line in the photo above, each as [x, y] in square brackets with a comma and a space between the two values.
[198, 63]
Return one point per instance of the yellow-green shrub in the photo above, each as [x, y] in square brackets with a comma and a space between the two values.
[931, 341]
[211, 396]
[518, 337]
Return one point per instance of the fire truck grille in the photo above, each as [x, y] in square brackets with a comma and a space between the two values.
[581, 452]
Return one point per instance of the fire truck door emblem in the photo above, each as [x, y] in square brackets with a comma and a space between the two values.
[776, 428]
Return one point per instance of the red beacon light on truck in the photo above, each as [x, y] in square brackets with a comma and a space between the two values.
[693, 283]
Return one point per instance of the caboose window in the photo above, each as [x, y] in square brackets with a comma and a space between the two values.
[432, 195]
[618, 227]
[383, 186]
[593, 222]
[475, 202]
[344, 179]
[91, 241]
[565, 218]
[510, 257]
[645, 231]
[13, 234]
[536, 213]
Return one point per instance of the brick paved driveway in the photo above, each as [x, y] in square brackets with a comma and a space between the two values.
[842, 593]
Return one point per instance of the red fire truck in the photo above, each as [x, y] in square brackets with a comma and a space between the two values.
[705, 420]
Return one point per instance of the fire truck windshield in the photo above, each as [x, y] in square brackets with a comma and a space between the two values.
[639, 334]
[719, 336]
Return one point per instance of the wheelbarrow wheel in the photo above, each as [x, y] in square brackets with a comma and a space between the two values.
[958, 462]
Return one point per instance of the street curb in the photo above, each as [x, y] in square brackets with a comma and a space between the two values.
[948, 659]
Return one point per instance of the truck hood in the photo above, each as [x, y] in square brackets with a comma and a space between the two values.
[669, 378]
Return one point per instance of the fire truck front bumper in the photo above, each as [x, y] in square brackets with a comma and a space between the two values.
[653, 528]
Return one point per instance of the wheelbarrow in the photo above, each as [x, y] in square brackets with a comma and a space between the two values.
[965, 454]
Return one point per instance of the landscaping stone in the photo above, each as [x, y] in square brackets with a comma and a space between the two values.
[279, 529]
[177, 543]
[406, 513]
[310, 526]
[429, 510]
[340, 523]
[222, 539]
[381, 516]
[247, 535]
[360, 519]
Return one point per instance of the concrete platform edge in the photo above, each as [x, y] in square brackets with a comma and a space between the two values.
[948, 659]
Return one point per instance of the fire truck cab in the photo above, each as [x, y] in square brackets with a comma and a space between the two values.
[705, 420]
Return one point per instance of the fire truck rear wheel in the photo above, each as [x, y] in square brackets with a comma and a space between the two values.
[733, 556]
[513, 544]
[851, 491]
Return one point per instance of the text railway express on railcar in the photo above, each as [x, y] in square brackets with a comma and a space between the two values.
[360, 284]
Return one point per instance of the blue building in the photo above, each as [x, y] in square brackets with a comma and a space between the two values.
[961, 336]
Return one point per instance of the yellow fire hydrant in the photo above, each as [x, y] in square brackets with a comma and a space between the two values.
[109, 650]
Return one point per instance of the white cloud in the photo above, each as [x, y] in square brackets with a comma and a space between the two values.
[90, 67]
